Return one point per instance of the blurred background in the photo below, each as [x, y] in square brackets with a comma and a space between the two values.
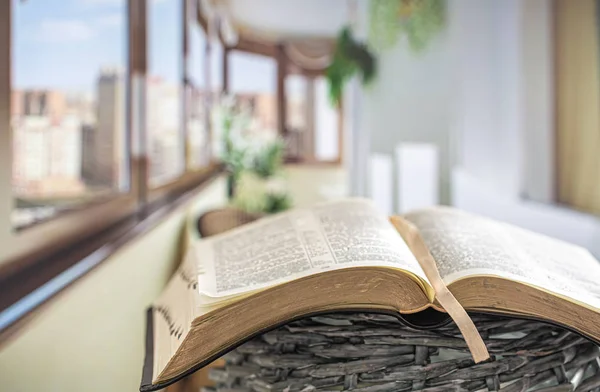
[120, 119]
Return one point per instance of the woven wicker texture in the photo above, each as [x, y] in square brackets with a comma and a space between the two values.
[377, 353]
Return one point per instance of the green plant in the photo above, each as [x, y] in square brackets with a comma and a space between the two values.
[269, 159]
[419, 20]
[256, 194]
[253, 159]
[277, 202]
[229, 124]
[233, 156]
[234, 160]
[349, 58]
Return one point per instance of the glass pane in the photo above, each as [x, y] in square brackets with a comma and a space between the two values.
[295, 89]
[327, 131]
[216, 66]
[197, 121]
[215, 91]
[165, 92]
[298, 141]
[199, 140]
[253, 81]
[197, 49]
[68, 111]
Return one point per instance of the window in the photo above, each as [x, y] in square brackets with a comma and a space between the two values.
[197, 90]
[215, 91]
[83, 125]
[313, 129]
[68, 102]
[78, 105]
[298, 121]
[326, 124]
[165, 93]
[252, 81]
[216, 67]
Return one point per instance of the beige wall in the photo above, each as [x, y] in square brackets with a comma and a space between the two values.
[309, 184]
[91, 338]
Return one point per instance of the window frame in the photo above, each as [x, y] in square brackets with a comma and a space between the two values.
[48, 236]
[190, 174]
[156, 191]
[86, 235]
[191, 22]
[284, 69]
[280, 100]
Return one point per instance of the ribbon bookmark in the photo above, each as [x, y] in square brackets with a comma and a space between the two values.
[413, 239]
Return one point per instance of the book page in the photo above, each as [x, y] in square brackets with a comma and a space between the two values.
[174, 312]
[466, 245]
[302, 242]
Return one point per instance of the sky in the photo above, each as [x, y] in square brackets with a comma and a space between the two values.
[63, 44]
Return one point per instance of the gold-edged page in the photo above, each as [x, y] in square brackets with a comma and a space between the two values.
[465, 245]
[301, 242]
[174, 312]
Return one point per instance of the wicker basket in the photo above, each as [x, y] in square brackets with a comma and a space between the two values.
[221, 220]
[376, 353]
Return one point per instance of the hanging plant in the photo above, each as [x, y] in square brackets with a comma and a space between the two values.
[419, 20]
[349, 58]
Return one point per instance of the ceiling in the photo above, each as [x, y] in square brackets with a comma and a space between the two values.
[289, 18]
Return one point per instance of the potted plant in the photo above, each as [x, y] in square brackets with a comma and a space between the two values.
[252, 157]
[262, 186]
[230, 123]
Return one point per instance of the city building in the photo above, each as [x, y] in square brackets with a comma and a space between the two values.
[104, 142]
[16, 103]
[46, 103]
[46, 158]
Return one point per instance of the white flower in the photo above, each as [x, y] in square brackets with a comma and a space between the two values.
[233, 124]
[276, 186]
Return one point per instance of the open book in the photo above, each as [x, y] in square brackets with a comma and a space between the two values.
[346, 256]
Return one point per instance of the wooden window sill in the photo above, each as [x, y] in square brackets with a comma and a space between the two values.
[28, 283]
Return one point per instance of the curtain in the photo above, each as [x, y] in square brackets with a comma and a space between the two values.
[312, 55]
[578, 104]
